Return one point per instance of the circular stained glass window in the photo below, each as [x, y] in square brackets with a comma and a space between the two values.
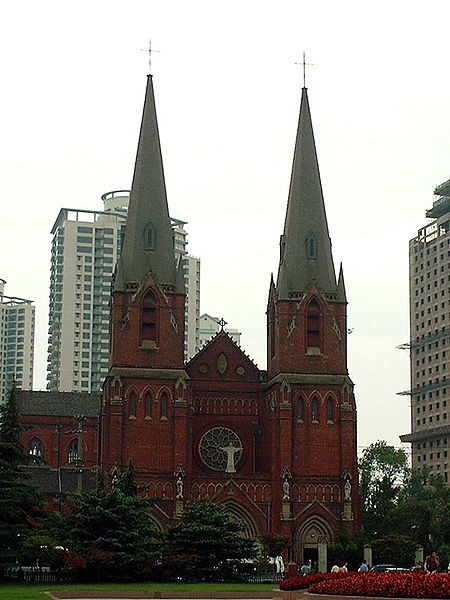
[211, 448]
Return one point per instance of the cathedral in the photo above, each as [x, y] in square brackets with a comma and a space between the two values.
[276, 448]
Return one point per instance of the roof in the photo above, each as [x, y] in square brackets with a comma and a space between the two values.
[305, 252]
[60, 481]
[148, 246]
[61, 404]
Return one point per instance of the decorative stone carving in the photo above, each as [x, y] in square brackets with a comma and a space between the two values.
[222, 363]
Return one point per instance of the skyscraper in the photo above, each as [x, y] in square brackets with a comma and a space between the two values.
[85, 248]
[17, 318]
[429, 293]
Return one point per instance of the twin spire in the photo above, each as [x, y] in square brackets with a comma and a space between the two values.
[148, 245]
[305, 246]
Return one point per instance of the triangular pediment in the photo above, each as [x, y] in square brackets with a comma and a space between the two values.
[222, 359]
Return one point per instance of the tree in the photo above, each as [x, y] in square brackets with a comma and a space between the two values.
[272, 544]
[112, 527]
[205, 543]
[382, 469]
[20, 503]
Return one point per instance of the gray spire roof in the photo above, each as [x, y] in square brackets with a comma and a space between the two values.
[148, 241]
[305, 252]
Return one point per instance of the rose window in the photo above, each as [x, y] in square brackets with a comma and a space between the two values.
[211, 448]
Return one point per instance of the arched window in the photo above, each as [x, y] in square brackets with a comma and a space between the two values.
[132, 405]
[314, 410]
[149, 237]
[299, 408]
[329, 409]
[35, 447]
[149, 316]
[311, 246]
[148, 405]
[73, 451]
[163, 401]
[313, 324]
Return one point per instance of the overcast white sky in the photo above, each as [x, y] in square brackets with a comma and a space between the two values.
[228, 90]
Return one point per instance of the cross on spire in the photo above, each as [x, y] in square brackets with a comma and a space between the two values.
[304, 65]
[149, 50]
[222, 323]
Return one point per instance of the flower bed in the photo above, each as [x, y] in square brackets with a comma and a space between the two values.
[303, 582]
[391, 585]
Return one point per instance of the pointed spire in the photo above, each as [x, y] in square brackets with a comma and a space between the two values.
[148, 241]
[305, 246]
[341, 295]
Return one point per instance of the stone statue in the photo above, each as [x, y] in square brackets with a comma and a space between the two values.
[179, 487]
[347, 489]
[230, 451]
[286, 491]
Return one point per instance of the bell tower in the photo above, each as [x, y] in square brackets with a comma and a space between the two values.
[314, 413]
[146, 362]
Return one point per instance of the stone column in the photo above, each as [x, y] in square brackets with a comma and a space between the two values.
[418, 559]
[368, 556]
[322, 557]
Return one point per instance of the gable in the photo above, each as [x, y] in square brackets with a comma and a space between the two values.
[222, 360]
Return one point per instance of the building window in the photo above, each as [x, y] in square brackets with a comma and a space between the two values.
[311, 246]
[149, 313]
[35, 447]
[314, 410]
[149, 237]
[148, 406]
[299, 409]
[329, 410]
[73, 451]
[163, 401]
[313, 324]
[132, 405]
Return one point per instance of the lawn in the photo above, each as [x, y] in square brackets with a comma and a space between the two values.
[37, 591]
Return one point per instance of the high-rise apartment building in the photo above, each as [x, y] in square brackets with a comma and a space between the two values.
[429, 285]
[85, 248]
[17, 318]
[191, 271]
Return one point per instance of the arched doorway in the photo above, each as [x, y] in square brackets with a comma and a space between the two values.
[311, 538]
[242, 514]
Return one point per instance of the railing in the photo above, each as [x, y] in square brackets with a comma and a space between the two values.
[264, 577]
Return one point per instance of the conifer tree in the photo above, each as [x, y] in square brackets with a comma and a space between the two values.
[20, 502]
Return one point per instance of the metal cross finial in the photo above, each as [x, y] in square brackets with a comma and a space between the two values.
[304, 65]
[222, 323]
[149, 50]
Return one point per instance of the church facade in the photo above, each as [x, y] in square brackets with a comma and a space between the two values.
[276, 448]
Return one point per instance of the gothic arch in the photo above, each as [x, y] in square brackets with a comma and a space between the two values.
[312, 530]
[239, 512]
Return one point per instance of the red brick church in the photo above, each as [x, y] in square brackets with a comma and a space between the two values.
[276, 448]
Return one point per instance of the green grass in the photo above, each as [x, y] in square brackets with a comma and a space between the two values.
[37, 591]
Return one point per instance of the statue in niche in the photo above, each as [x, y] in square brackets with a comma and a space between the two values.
[286, 490]
[347, 489]
[179, 487]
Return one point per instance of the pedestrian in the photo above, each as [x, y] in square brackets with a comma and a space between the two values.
[306, 568]
[431, 563]
[334, 569]
[344, 569]
[363, 568]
